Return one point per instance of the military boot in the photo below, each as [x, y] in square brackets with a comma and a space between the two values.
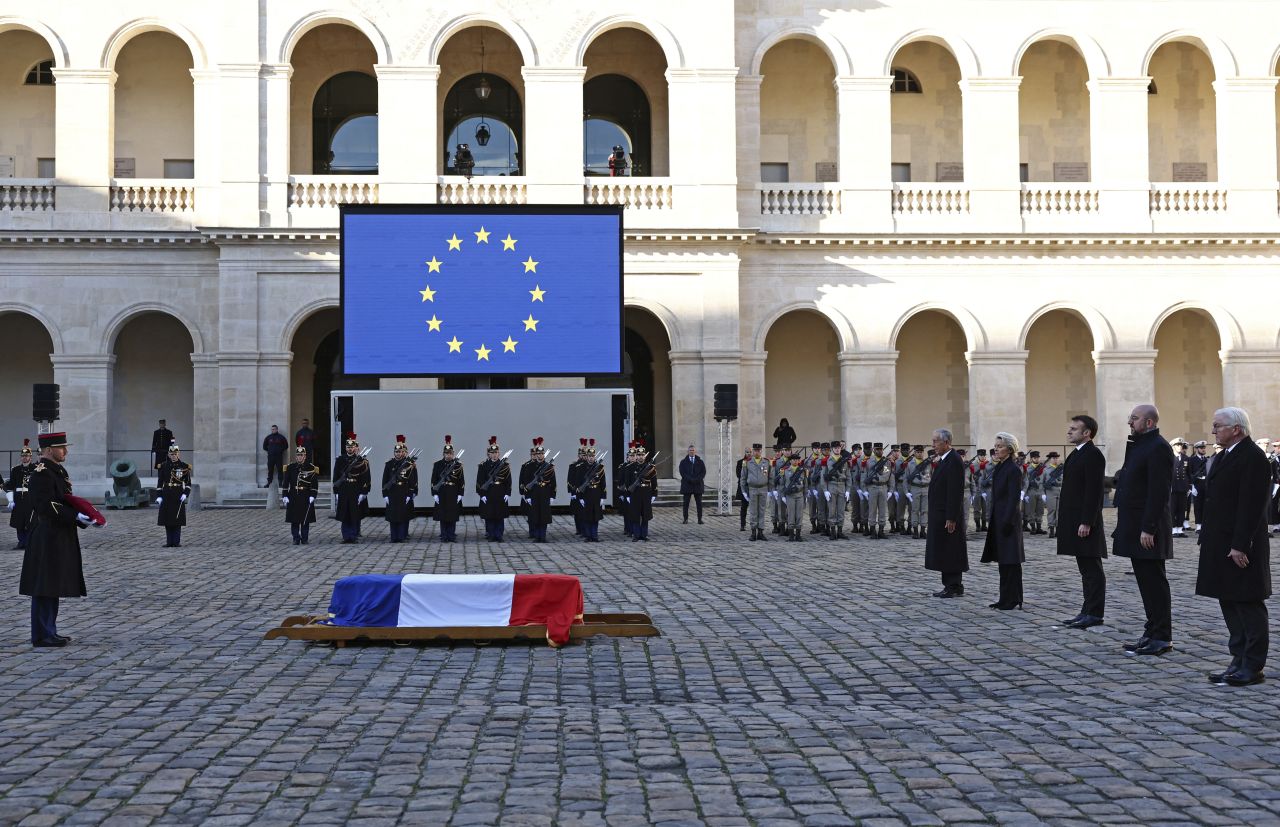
[1053, 532]
[839, 532]
[799, 536]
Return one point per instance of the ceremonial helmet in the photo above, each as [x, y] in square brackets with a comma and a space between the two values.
[26, 447]
[582, 445]
[400, 443]
[173, 447]
[493, 445]
[301, 450]
[640, 449]
[350, 440]
[537, 446]
[448, 443]
[591, 447]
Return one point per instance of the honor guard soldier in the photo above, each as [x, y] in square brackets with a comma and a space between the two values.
[876, 479]
[1198, 469]
[836, 479]
[919, 475]
[173, 487]
[960, 452]
[1180, 490]
[1033, 496]
[621, 480]
[857, 490]
[642, 493]
[811, 493]
[985, 481]
[301, 482]
[591, 492]
[447, 484]
[18, 486]
[891, 495]
[793, 484]
[351, 483]
[538, 487]
[161, 439]
[1051, 490]
[572, 479]
[399, 487]
[777, 502]
[493, 484]
[754, 480]
[901, 468]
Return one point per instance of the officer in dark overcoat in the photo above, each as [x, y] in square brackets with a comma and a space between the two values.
[301, 483]
[399, 487]
[572, 479]
[173, 481]
[642, 490]
[18, 486]
[447, 484]
[1080, 532]
[945, 548]
[591, 492]
[351, 483]
[538, 488]
[493, 484]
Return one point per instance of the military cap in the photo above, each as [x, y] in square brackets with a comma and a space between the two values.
[54, 440]
[1177, 440]
[1053, 454]
[866, 446]
[906, 446]
[1202, 444]
[919, 448]
[982, 452]
[815, 444]
[959, 451]
[1034, 454]
[877, 445]
[934, 453]
[756, 446]
[826, 446]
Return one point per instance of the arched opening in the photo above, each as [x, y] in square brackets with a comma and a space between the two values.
[1188, 375]
[1053, 113]
[154, 111]
[626, 91]
[802, 376]
[1060, 376]
[932, 378]
[27, 348]
[153, 379]
[1182, 131]
[333, 103]
[482, 89]
[646, 369]
[798, 136]
[27, 126]
[927, 142]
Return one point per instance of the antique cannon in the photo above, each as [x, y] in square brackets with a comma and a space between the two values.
[128, 491]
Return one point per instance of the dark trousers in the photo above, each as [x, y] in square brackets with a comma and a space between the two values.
[399, 531]
[22, 539]
[448, 530]
[1247, 623]
[1094, 581]
[275, 468]
[1153, 585]
[1010, 583]
[173, 536]
[350, 529]
[44, 618]
[493, 529]
[953, 578]
[641, 529]
[1197, 503]
[591, 529]
[697, 498]
[742, 514]
[301, 531]
[1178, 507]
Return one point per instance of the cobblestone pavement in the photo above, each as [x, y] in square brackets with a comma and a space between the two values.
[813, 683]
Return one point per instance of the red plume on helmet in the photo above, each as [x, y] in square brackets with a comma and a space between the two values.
[591, 441]
[583, 440]
[493, 440]
[447, 439]
[300, 442]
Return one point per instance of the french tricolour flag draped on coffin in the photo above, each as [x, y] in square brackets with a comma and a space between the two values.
[553, 600]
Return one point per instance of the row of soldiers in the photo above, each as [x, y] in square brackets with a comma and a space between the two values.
[880, 490]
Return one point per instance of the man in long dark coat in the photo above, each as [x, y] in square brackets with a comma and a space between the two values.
[399, 487]
[538, 487]
[18, 486]
[173, 487]
[642, 489]
[1235, 558]
[298, 492]
[493, 484]
[1144, 525]
[160, 439]
[945, 548]
[448, 481]
[573, 476]
[1080, 532]
[351, 483]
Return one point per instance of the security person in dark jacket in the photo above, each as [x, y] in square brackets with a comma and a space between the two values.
[173, 487]
[275, 444]
[18, 485]
[742, 494]
[351, 483]
[1080, 532]
[1144, 526]
[1235, 558]
[160, 439]
[693, 474]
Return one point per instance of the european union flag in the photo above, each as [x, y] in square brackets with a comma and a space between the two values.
[505, 290]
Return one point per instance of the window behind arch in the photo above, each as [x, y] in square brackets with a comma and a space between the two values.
[904, 80]
[615, 112]
[502, 118]
[344, 126]
[40, 75]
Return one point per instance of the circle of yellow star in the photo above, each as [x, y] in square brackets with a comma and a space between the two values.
[508, 243]
[509, 346]
[531, 323]
[454, 345]
[530, 266]
[482, 352]
[433, 323]
[537, 292]
[428, 295]
[433, 266]
[455, 243]
[482, 236]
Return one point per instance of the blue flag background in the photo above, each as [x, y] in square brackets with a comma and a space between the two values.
[518, 291]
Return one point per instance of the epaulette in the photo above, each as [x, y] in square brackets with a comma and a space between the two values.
[39, 467]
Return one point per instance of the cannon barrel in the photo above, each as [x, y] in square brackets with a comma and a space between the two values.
[124, 476]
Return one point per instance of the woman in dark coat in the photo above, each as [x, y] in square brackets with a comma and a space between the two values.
[174, 478]
[784, 436]
[1004, 535]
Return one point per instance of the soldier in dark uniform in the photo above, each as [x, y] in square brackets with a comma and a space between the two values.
[173, 481]
[493, 484]
[448, 481]
[301, 482]
[160, 439]
[399, 487]
[620, 481]
[642, 490]
[19, 499]
[1198, 470]
[591, 492]
[351, 483]
[1180, 488]
[538, 487]
[573, 477]
[51, 567]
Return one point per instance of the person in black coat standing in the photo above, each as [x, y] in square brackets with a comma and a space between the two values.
[741, 495]
[160, 439]
[784, 436]
[275, 445]
[1235, 560]
[945, 550]
[693, 473]
[298, 493]
[19, 500]
[173, 488]
[1004, 535]
[352, 481]
[493, 484]
[1144, 525]
[448, 481]
[1080, 532]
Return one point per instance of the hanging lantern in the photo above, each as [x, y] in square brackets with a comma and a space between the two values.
[482, 134]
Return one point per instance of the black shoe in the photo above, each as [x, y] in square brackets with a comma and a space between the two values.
[1243, 677]
[1221, 677]
[296, 541]
[1085, 622]
[742, 528]
[1154, 647]
[699, 521]
[1142, 641]
[950, 591]
[62, 638]
[1004, 607]
[1075, 619]
[49, 643]
[686, 520]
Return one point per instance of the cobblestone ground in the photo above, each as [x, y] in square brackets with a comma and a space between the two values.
[813, 683]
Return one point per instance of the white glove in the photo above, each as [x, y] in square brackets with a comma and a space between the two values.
[459, 498]
[653, 499]
[628, 499]
[911, 497]
[1025, 498]
[360, 499]
[1274, 488]
[12, 503]
[1044, 498]
[183, 498]
[1193, 490]
[828, 495]
[436, 497]
[285, 500]
[160, 500]
[506, 498]
[84, 520]
[407, 499]
[484, 499]
[582, 502]
[310, 500]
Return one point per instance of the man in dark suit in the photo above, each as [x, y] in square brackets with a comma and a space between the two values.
[693, 472]
[1080, 533]
[1235, 561]
[160, 439]
[945, 550]
[1144, 525]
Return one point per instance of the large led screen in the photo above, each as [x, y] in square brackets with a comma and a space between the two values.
[432, 290]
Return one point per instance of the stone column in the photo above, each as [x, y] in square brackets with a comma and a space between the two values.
[205, 423]
[1251, 380]
[747, 91]
[1118, 151]
[703, 134]
[1125, 379]
[997, 394]
[237, 133]
[866, 151]
[869, 396]
[1247, 151]
[275, 141]
[238, 357]
[752, 426]
[408, 143]
[991, 152]
[552, 154]
[84, 144]
[86, 381]
[207, 149]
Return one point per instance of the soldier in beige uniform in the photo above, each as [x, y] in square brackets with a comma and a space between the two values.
[1051, 489]
[919, 474]
[755, 482]
[878, 475]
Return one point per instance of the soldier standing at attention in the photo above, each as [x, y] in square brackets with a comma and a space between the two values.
[855, 487]
[985, 477]
[837, 494]
[1033, 493]
[781, 462]
[493, 484]
[1198, 469]
[573, 478]
[173, 487]
[876, 479]
[968, 496]
[1052, 490]
[447, 484]
[743, 500]
[1180, 487]
[591, 493]
[642, 491]
[754, 480]
[792, 484]
[811, 493]
[621, 481]
[160, 439]
[301, 482]
[538, 487]
[19, 499]
[901, 469]
[351, 484]
[919, 475]
[399, 487]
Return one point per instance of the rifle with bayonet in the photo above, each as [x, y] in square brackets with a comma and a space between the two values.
[410, 460]
[448, 472]
[493, 475]
[644, 469]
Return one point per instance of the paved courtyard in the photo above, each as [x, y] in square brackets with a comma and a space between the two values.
[813, 683]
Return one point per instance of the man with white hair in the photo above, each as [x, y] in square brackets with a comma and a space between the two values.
[1235, 560]
[945, 549]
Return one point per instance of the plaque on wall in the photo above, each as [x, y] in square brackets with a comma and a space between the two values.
[952, 171]
[126, 168]
[1070, 171]
[1190, 172]
[824, 171]
[6, 166]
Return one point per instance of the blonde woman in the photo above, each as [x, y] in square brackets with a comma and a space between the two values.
[1004, 537]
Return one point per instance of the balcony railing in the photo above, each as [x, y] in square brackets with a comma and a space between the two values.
[1188, 198]
[308, 192]
[799, 199]
[152, 195]
[929, 199]
[27, 194]
[454, 189]
[1060, 199]
[631, 193]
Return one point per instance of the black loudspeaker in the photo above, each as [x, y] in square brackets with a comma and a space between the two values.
[725, 402]
[45, 403]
